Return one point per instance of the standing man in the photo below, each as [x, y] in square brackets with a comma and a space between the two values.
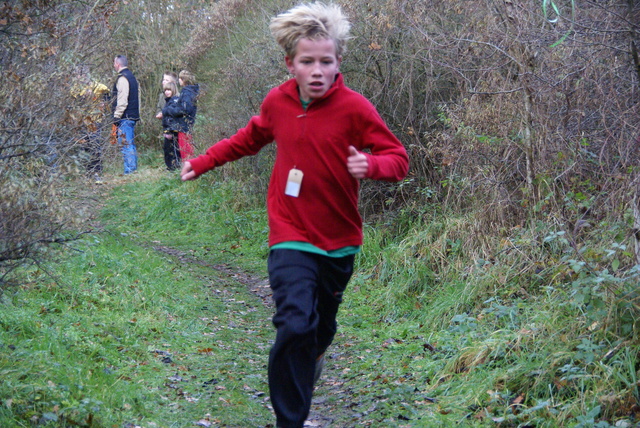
[126, 111]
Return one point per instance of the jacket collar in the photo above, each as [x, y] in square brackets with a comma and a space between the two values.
[290, 87]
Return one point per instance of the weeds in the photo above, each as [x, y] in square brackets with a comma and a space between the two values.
[120, 340]
[498, 288]
[429, 335]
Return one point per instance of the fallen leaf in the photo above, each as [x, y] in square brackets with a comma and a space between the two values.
[516, 403]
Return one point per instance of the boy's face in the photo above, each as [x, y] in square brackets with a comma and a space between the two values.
[166, 78]
[314, 67]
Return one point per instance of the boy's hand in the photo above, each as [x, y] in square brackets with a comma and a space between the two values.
[357, 163]
[187, 173]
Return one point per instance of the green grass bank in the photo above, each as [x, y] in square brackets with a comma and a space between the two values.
[155, 322]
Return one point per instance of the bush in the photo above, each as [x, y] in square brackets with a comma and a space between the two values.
[47, 49]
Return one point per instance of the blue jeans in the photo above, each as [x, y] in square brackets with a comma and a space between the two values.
[129, 152]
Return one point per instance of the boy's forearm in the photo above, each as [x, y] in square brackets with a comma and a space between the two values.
[202, 164]
[390, 167]
[246, 142]
[388, 160]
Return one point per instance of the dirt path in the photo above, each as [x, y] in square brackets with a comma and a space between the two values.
[321, 407]
[260, 287]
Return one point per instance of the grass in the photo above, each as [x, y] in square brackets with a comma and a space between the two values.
[151, 323]
[125, 333]
[128, 336]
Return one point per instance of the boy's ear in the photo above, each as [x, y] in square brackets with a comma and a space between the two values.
[289, 62]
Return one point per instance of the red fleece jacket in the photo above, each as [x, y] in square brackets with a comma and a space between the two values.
[315, 141]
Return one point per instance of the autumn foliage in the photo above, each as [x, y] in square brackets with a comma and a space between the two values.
[43, 45]
[510, 110]
[517, 231]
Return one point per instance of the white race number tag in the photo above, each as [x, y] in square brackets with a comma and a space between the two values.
[294, 182]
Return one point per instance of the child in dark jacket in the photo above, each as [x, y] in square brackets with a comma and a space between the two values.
[184, 112]
[170, 128]
[328, 137]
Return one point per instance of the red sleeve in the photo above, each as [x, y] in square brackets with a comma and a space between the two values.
[247, 141]
[388, 160]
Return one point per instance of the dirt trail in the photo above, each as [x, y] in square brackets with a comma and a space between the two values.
[260, 287]
[320, 408]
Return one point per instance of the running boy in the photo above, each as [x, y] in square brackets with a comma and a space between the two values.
[321, 128]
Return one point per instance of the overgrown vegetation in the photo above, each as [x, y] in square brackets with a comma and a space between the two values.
[498, 283]
[44, 44]
[127, 335]
[115, 340]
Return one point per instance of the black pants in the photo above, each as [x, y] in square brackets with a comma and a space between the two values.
[307, 290]
[171, 151]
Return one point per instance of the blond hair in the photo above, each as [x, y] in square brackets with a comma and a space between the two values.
[312, 21]
[187, 77]
[172, 87]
